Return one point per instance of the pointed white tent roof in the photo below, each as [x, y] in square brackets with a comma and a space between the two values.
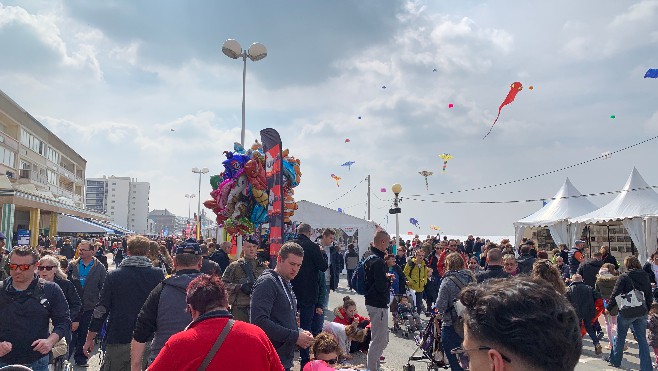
[565, 204]
[637, 199]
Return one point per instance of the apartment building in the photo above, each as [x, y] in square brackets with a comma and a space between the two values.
[40, 175]
[123, 199]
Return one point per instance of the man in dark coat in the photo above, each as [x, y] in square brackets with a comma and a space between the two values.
[590, 268]
[305, 284]
[494, 266]
[582, 297]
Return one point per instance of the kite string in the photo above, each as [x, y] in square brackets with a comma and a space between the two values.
[604, 156]
[535, 200]
[494, 123]
[348, 191]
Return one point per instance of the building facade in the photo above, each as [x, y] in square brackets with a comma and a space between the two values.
[164, 222]
[40, 175]
[123, 199]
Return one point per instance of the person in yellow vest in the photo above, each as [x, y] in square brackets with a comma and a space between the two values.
[416, 273]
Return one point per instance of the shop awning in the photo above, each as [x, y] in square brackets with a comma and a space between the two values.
[72, 224]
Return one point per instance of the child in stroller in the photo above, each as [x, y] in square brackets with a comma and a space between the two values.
[406, 318]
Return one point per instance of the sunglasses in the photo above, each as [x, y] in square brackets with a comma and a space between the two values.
[45, 268]
[22, 267]
[332, 361]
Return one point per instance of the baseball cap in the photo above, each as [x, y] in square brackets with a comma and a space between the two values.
[251, 239]
[190, 246]
[578, 242]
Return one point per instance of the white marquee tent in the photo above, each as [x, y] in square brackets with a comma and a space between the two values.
[323, 217]
[636, 207]
[555, 215]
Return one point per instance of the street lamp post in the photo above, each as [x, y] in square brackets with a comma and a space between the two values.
[397, 188]
[256, 52]
[196, 170]
[189, 201]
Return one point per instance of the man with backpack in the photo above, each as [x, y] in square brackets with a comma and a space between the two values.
[377, 297]
[27, 305]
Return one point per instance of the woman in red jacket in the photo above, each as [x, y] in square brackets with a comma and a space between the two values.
[207, 302]
[346, 315]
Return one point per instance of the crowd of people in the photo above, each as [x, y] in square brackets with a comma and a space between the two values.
[186, 305]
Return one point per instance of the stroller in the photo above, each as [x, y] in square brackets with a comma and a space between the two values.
[429, 343]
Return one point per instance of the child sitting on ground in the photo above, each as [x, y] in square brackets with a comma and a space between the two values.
[344, 335]
[406, 311]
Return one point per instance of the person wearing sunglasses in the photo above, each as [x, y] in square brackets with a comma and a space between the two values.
[27, 305]
[49, 270]
[506, 322]
[325, 352]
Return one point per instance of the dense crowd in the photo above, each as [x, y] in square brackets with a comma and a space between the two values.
[184, 304]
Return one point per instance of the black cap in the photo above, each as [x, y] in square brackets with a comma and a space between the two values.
[251, 239]
[190, 246]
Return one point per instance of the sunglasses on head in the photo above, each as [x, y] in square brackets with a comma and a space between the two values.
[46, 268]
[22, 267]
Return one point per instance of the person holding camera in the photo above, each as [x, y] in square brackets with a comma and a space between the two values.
[240, 276]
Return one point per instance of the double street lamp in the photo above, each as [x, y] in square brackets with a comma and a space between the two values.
[396, 188]
[189, 201]
[196, 170]
[256, 52]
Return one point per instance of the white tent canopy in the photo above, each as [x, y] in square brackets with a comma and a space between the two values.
[637, 209]
[567, 203]
[71, 224]
[323, 217]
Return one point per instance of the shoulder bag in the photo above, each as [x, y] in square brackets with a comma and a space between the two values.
[631, 304]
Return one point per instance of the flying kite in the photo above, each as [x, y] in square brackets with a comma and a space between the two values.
[606, 155]
[414, 222]
[336, 178]
[435, 227]
[613, 116]
[359, 117]
[382, 190]
[450, 105]
[348, 164]
[347, 140]
[426, 173]
[434, 70]
[445, 157]
[173, 130]
[410, 233]
[652, 73]
[340, 210]
[515, 88]
[383, 86]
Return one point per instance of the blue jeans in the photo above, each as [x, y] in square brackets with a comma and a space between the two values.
[350, 273]
[306, 313]
[451, 340]
[639, 327]
[40, 364]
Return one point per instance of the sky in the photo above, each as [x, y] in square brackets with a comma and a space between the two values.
[113, 78]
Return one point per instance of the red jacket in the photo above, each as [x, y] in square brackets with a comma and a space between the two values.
[441, 265]
[187, 349]
[341, 317]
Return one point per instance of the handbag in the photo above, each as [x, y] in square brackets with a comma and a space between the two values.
[215, 347]
[632, 304]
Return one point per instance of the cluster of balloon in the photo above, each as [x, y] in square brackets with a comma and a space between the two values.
[240, 194]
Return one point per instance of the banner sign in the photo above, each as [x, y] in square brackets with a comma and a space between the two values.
[349, 230]
[274, 178]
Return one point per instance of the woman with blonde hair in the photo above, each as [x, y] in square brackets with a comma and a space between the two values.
[543, 270]
[326, 352]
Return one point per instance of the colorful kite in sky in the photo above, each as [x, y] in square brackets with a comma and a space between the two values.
[613, 116]
[348, 164]
[414, 222]
[652, 73]
[435, 227]
[426, 173]
[410, 233]
[382, 190]
[347, 140]
[336, 178]
[450, 105]
[515, 88]
[445, 157]
[340, 210]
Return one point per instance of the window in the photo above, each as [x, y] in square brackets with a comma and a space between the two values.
[7, 156]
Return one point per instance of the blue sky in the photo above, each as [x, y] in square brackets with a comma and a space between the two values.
[113, 78]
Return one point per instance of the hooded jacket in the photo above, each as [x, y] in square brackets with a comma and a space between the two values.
[416, 274]
[604, 285]
[581, 296]
[589, 269]
[449, 291]
[273, 309]
[341, 317]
